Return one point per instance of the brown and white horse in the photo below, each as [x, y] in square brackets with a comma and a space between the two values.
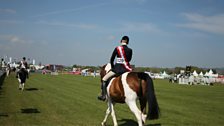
[127, 88]
[22, 75]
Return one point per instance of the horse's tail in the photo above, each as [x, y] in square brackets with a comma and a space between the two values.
[153, 107]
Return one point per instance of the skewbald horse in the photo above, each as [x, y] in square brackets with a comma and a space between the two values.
[127, 88]
[22, 75]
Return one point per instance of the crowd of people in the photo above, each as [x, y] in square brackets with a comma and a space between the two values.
[9, 66]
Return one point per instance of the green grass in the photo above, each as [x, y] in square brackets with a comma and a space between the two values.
[65, 100]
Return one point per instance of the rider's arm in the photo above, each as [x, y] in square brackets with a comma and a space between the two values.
[130, 55]
[114, 54]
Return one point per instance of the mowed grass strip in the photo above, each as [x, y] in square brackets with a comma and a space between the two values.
[71, 100]
[190, 104]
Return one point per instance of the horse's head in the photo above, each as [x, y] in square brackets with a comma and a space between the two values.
[104, 70]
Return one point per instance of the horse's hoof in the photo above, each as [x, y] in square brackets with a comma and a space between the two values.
[103, 124]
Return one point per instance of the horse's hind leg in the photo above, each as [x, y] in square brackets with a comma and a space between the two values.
[20, 86]
[23, 84]
[133, 107]
[143, 109]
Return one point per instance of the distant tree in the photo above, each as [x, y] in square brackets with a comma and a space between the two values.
[177, 69]
[76, 66]
[92, 68]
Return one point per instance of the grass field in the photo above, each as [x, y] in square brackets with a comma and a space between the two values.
[68, 100]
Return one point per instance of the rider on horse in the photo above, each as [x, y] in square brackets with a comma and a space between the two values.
[122, 65]
[24, 66]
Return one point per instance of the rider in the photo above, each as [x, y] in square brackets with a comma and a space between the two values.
[122, 65]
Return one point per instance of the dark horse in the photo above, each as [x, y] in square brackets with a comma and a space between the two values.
[22, 75]
[127, 88]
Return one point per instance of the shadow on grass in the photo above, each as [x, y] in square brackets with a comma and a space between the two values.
[30, 110]
[129, 122]
[31, 89]
[3, 115]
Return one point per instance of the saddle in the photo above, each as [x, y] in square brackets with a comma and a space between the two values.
[116, 75]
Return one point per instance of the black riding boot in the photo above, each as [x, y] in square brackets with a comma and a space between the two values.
[103, 93]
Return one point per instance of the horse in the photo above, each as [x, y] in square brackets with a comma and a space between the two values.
[22, 75]
[127, 88]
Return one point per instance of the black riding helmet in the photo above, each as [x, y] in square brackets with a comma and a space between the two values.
[125, 38]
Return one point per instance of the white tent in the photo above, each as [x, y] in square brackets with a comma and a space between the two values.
[211, 74]
[195, 73]
[201, 74]
[165, 75]
[84, 70]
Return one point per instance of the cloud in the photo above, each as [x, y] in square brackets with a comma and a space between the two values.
[7, 11]
[70, 10]
[10, 22]
[212, 24]
[13, 39]
[14, 45]
[64, 24]
[140, 27]
[17, 46]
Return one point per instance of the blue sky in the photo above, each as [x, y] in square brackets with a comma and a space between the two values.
[163, 33]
